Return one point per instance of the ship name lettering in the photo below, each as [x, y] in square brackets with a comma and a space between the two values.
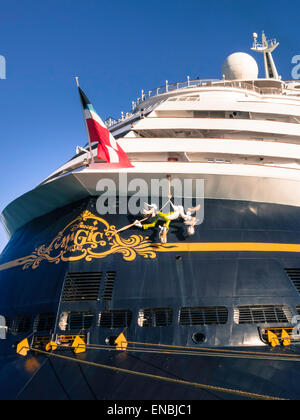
[65, 242]
[87, 227]
[84, 237]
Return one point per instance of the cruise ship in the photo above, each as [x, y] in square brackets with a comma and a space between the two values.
[102, 306]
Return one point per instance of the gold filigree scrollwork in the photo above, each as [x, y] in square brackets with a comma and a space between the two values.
[88, 237]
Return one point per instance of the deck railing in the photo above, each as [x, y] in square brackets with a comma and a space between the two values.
[171, 87]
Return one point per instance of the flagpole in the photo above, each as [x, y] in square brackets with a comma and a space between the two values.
[87, 131]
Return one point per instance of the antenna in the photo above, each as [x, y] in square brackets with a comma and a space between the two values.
[266, 48]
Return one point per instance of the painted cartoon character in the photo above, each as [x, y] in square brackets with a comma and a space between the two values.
[191, 221]
[178, 211]
[152, 211]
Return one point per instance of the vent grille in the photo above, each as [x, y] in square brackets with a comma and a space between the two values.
[80, 320]
[155, 317]
[213, 315]
[115, 319]
[44, 322]
[294, 275]
[40, 342]
[81, 287]
[267, 314]
[108, 286]
[21, 324]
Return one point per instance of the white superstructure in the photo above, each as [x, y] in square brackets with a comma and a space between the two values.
[242, 136]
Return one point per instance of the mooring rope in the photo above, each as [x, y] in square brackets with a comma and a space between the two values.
[197, 385]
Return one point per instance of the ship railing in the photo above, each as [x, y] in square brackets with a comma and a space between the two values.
[167, 88]
[171, 87]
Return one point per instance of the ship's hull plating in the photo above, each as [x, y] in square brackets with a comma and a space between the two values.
[33, 269]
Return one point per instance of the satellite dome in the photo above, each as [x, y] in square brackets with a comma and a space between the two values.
[240, 66]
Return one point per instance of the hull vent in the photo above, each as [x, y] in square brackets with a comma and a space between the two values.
[80, 320]
[108, 286]
[294, 276]
[44, 322]
[214, 315]
[40, 342]
[157, 317]
[263, 314]
[21, 324]
[115, 319]
[81, 287]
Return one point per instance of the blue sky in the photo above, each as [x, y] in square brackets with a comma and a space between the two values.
[117, 48]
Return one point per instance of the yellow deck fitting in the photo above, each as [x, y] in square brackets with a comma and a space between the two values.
[121, 342]
[67, 340]
[273, 339]
[51, 346]
[23, 347]
[285, 338]
[79, 345]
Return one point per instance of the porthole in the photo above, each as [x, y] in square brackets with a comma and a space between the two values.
[198, 338]
[110, 341]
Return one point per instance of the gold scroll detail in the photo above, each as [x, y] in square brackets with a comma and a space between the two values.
[87, 237]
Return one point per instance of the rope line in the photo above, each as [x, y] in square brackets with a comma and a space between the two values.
[194, 351]
[206, 349]
[164, 349]
[163, 378]
[253, 356]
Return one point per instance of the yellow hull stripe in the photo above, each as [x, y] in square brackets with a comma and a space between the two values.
[198, 247]
[227, 247]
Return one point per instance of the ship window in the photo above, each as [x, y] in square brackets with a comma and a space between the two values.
[115, 319]
[21, 324]
[294, 276]
[44, 322]
[108, 286]
[81, 287]
[79, 320]
[155, 317]
[209, 114]
[262, 314]
[201, 114]
[192, 98]
[212, 315]
[189, 98]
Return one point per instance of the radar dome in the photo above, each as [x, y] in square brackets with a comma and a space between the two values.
[240, 66]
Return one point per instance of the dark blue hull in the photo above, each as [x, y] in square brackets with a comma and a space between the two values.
[39, 261]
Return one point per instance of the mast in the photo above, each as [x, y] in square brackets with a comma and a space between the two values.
[266, 48]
